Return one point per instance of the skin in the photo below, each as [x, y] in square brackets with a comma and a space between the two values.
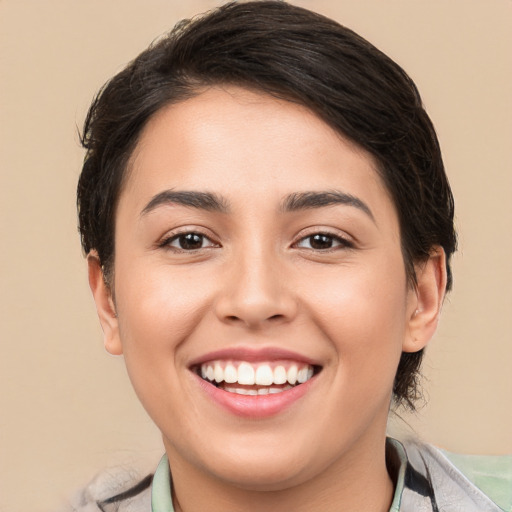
[257, 281]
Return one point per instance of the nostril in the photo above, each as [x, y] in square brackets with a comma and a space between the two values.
[234, 318]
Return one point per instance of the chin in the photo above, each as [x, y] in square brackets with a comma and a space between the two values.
[260, 466]
[269, 475]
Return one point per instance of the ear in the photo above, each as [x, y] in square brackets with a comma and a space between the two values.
[425, 301]
[104, 305]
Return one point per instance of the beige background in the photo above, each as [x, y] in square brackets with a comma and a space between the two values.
[66, 407]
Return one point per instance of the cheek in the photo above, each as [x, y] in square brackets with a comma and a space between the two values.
[157, 312]
[362, 311]
[158, 309]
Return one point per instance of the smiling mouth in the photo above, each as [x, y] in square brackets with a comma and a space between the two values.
[245, 378]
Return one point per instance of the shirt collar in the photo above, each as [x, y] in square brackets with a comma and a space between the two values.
[396, 460]
[161, 498]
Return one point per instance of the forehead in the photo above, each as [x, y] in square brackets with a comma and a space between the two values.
[231, 138]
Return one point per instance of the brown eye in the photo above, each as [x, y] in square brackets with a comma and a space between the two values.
[323, 242]
[189, 242]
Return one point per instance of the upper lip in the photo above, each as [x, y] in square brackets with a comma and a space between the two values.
[253, 355]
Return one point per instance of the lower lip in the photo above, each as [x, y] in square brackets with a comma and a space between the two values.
[255, 406]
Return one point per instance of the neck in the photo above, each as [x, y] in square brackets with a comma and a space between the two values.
[358, 482]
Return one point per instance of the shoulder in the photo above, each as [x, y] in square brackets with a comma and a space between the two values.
[459, 482]
[114, 491]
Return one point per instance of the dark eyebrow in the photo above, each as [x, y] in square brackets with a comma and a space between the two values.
[307, 200]
[201, 200]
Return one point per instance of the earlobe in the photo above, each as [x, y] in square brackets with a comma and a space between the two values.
[425, 301]
[104, 305]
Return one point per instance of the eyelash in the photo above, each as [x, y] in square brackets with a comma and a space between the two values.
[341, 242]
[167, 241]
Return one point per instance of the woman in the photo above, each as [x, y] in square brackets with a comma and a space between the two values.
[268, 229]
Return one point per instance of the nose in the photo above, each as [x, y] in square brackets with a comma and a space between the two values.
[255, 292]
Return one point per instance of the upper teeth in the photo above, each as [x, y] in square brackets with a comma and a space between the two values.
[260, 374]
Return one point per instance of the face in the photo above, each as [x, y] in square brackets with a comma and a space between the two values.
[259, 288]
